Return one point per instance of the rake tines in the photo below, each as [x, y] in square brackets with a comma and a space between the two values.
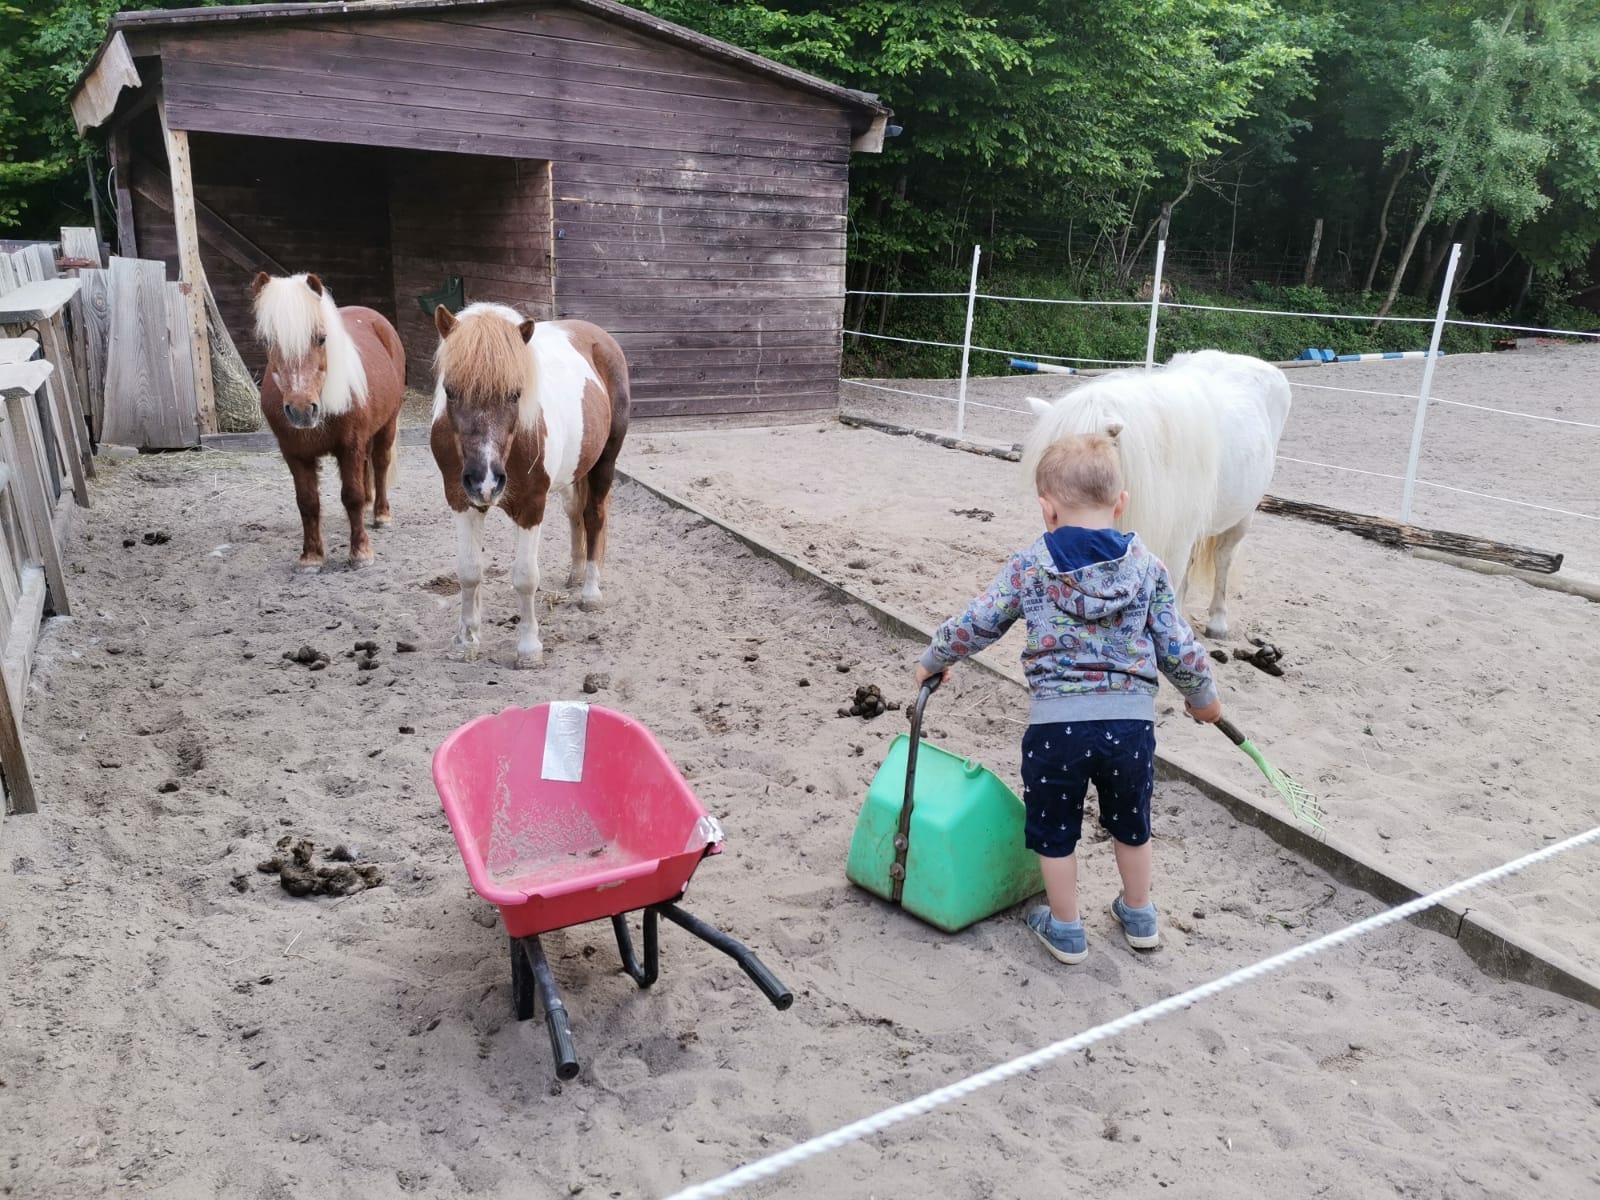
[1302, 803]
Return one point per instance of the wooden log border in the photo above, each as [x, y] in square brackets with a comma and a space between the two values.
[1498, 952]
[1436, 545]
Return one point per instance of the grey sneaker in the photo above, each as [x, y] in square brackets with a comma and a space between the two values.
[1065, 941]
[1138, 924]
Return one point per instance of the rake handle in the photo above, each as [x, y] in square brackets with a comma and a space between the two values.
[1233, 732]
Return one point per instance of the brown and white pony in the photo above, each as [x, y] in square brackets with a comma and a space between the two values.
[334, 384]
[522, 410]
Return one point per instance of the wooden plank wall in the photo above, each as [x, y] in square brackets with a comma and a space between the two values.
[485, 219]
[700, 208]
[268, 202]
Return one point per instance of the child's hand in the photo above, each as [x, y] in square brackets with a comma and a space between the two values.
[923, 675]
[1209, 715]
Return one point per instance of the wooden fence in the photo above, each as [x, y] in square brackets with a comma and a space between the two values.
[51, 372]
[91, 352]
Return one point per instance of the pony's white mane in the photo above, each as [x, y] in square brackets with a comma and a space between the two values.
[1173, 423]
[289, 316]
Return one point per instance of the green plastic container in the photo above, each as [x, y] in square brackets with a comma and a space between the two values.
[964, 857]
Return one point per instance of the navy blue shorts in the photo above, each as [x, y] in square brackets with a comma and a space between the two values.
[1060, 761]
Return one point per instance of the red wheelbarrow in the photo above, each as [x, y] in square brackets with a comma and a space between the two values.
[568, 813]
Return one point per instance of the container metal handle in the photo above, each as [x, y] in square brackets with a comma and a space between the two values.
[902, 836]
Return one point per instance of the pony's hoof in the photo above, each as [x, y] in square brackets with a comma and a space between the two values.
[308, 566]
[471, 652]
[361, 558]
[592, 603]
[528, 661]
[1216, 631]
[382, 520]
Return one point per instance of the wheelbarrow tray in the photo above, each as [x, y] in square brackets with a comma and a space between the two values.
[567, 813]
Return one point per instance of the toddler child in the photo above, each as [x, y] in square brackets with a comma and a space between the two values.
[1102, 620]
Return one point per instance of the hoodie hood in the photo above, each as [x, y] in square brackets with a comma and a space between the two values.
[1101, 570]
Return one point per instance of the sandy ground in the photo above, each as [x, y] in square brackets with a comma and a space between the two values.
[1443, 716]
[166, 1033]
[1533, 461]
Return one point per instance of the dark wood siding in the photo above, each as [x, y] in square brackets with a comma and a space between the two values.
[699, 208]
[266, 204]
[314, 208]
[485, 219]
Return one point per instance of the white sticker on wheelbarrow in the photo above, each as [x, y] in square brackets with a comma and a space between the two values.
[707, 831]
[564, 739]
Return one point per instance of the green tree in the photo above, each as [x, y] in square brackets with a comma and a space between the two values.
[1031, 111]
[44, 47]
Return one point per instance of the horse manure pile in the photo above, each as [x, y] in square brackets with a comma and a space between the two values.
[1265, 657]
[365, 654]
[340, 874]
[308, 656]
[869, 703]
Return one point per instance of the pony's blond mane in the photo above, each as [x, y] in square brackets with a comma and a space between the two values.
[484, 359]
[289, 316]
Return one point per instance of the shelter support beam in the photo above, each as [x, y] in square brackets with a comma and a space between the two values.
[190, 272]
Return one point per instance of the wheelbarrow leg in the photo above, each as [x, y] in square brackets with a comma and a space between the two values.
[780, 996]
[646, 975]
[530, 978]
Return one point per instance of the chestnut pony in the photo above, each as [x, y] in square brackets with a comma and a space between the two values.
[334, 384]
[522, 410]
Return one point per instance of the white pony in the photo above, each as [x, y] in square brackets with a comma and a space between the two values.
[1198, 440]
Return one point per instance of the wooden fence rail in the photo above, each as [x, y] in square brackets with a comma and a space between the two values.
[52, 369]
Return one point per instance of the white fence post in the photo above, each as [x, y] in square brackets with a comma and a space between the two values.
[1427, 382]
[1155, 306]
[966, 346]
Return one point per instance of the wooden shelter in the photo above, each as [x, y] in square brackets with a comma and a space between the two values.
[574, 158]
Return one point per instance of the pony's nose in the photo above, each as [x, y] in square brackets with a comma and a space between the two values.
[484, 486]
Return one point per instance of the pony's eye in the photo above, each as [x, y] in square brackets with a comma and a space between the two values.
[322, 339]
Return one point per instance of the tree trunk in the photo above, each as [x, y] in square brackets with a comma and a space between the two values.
[1469, 248]
[1127, 230]
[1468, 114]
[1160, 221]
[1434, 259]
[1522, 296]
[891, 282]
[1403, 166]
[1311, 259]
[1233, 225]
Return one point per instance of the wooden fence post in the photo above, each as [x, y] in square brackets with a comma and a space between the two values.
[14, 755]
[190, 270]
[36, 502]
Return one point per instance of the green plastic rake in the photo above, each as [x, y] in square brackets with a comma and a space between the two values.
[1301, 802]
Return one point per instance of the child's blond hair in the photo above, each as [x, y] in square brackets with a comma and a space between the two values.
[1081, 470]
